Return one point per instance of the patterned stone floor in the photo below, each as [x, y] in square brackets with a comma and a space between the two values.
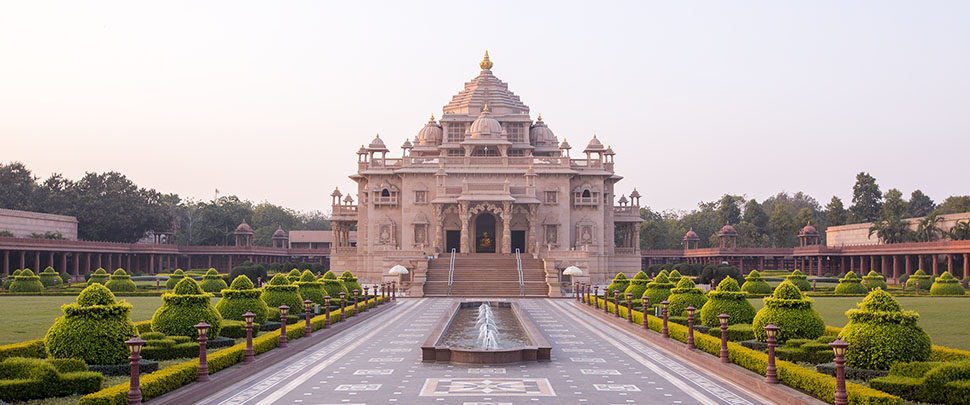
[379, 362]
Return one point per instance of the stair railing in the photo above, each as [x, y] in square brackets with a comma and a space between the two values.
[451, 271]
[518, 264]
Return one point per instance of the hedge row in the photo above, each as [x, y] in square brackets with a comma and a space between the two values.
[937, 353]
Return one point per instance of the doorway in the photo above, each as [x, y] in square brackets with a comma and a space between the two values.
[452, 241]
[485, 233]
[518, 241]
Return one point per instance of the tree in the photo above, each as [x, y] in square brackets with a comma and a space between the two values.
[960, 231]
[929, 229]
[19, 187]
[804, 217]
[891, 230]
[954, 204]
[793, 203]
[866, 199]
[894, 206]
[920, 205]
[835, 212]
[729, 208]
[781, 228]
[755, 215]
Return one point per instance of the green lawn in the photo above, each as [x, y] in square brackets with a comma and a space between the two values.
[943, 318]
[28, 318]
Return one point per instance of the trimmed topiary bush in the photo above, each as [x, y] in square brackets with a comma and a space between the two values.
[93, 329]
[755, 284]
[310, 288]
[727, 299]
[659, 289]
[174, 279]
[183, 308]
[333, 286]
[674, 276]
[946, 284]
[638, 285]
[240, 298]
[350, 283]
[26, 282]
[799, 280]
[790, 311]
[212, 281]
[120, 281]
[294, 275]
[685, 295]
[9, 280]
[48, 277]
[881, 334]
[851, 284]
[280, 291]
[925, 281]
[620, 283]
[65, 278]
[99, 276]
[874, 280]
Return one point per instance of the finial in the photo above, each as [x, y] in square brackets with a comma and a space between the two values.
[379, 135]
[540, 116]
[486, 64]
[486, 108]
[594, 136]
[432, 117]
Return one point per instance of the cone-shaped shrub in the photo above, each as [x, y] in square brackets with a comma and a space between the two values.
[946, 284]
[310, 288]
[874, 280]
[881, 334]
[788, 310]
[26, 282]
[685, 295]
[9, 281]
[241, 297]
[851, 284]
[212, 281]
[333, 286]
[925, 281]
[620, 282]
[99, 276]
[638, 284]
[280, 291]
[93, 329]
[799, 280]
[183, 308]
[755, 284]
[174, 279]
[350, 282]
[663, 272]
[120, 281]
[659, 289]
[48, 277]
[674, 277]
[728, 299]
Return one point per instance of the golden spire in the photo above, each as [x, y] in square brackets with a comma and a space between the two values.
[540, 116]
[486, 64]
[432, 117]
[485, 109]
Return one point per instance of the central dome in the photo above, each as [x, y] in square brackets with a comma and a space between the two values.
[485, 126]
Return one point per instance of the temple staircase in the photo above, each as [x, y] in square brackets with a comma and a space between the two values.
[486, 275]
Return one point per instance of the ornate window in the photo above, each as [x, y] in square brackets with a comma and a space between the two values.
[420, 234]
[420, 197]
[456, 131]
[552, 197]
[552, 235]
[514, 132]
[385, 194]
[586, 195]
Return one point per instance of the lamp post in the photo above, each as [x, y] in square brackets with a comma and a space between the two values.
[55, 284]
[394, 291]
[283, 310]
[664, 332]
[576, 290]
[771, 373]
[134, 356]
[629, 307]
[326, 310]
[841, 397]
[690, 327]
[724, 327]
[249, 316]
[356, 301]
[616, 303]
[306, 307]
[203, 328]
[158, 283]
[645, 300]
[813, 285]
[343, 306]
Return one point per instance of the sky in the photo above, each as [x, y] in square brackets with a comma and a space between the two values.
[270, 100]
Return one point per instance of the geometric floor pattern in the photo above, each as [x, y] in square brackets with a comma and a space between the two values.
[379, 362]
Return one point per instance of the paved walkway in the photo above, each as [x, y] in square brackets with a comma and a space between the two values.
[379, 362]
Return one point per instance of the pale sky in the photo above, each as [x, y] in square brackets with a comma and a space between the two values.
[270, 100]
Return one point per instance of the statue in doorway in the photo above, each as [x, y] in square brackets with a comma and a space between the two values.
[485, 242]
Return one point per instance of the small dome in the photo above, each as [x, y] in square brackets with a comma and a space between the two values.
[609, 151]
[635, 194]
[691, 235]
[430, 135]
[243, 228]
[623, 199]
[377, 144]
[809, 230]
[336, 193]
[280, 233]
[362, 150]
[564, 145]
[541, 135]
[594, 145]
[407, 144]
[727, 230]
[485, 125]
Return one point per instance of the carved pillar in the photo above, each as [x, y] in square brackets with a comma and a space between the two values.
[534, 229]
[465, 218]
[438, 227]
[506, 227]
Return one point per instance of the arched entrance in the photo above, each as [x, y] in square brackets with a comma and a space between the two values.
[485, 240]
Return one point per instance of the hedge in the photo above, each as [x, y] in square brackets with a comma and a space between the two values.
[32, 349]
[735, 333]
[944, 383]
[23, 379]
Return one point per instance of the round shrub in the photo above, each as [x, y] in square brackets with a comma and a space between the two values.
[240, 298]
[851, 284]
[350, 282]
[799, 280]
[674, 276]
[333, 286]
[48, 277]
[310, 288]
[920, 276]
[620, 283]
[755, 284]
[638, 285]
[874, 280]
[946, 284]
[255, 272]
[881, 334]
[788, 310]
[93, 329]
[715, 272]
[727, 299]
[120, 281]
[183, 308]
[174, 279]
[294, 275]
[99, 276]
[212, 281]
[280, 291]
[685, 295]
[26, 282]
[658, 290]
